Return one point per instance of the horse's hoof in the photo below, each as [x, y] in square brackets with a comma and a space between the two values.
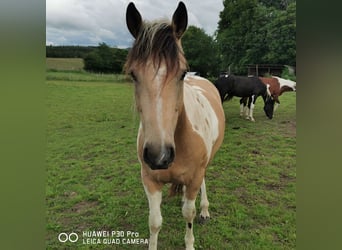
[203, 220]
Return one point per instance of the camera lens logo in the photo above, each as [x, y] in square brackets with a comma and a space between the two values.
[64, 237]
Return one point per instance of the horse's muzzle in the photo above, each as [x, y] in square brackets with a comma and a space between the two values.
[158, 157]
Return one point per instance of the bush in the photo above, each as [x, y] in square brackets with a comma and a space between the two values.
[288, 73]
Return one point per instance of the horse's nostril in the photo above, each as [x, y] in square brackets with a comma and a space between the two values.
[145, 153]
[147, 156]
[172, 154]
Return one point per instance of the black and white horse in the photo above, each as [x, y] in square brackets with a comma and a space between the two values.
[245, 87]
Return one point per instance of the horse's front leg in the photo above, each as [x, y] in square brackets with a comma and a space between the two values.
[247, 106]
[155, 219]
[276, 105]
[204, 215]
[189, 211]
[251, 104]
[243, 103]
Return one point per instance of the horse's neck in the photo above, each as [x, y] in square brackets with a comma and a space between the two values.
[183, 125]
[198, 117]
[182, 121]
[285, 89]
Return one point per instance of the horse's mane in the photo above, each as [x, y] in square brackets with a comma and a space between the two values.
[156, 42]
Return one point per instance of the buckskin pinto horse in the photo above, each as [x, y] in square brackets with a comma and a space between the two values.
[245, 87]
[181, 118]
[278, 86]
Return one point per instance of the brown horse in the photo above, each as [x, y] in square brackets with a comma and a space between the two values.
[181, 118]
[278, 86]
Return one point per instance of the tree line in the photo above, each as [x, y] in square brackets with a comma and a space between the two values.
[249, 32]
[100, 59]
[68, 51]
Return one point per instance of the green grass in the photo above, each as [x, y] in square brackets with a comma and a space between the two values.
[93, 175]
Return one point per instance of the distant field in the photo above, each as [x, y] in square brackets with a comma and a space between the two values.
[71, 69]
[72, 64]
[93, 175]
[83, 76]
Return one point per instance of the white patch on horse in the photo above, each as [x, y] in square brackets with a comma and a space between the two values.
[189, 213]
[275, 106]
[242, 107]
[201, 114]
[286, 82]
[188, 76]
[204, 202]
[160, 76]
[139, 132]
[250, 115]
[268, 90]
[155, 217]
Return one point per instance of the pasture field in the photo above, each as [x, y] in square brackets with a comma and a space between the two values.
[75, 64]
[71, 69]
[93, 175]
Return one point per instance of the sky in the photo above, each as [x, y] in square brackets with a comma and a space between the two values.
[90, 22]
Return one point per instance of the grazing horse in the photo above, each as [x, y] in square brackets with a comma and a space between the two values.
[242, 86]
[278, 86]
[181, 118]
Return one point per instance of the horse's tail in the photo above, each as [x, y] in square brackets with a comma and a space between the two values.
[175, 189]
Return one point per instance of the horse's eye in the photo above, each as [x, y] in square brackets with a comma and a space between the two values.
[133, 76]
[183, 75]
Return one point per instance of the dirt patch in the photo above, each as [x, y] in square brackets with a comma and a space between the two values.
[289, 128]
[284, 180]
[256, 152]
[273, 186]
[83, 206]
[243, 196]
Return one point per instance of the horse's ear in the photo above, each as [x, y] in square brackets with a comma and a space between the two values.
[180, 20]
[133, 19]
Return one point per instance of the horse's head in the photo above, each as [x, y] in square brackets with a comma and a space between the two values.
[269, 103]
[157, 65]
[269, 107]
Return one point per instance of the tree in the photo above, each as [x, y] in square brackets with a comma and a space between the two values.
[200, 51]
[236, 22]
[280, 5]
[256, 32]
[105, 59]
[281, 37]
